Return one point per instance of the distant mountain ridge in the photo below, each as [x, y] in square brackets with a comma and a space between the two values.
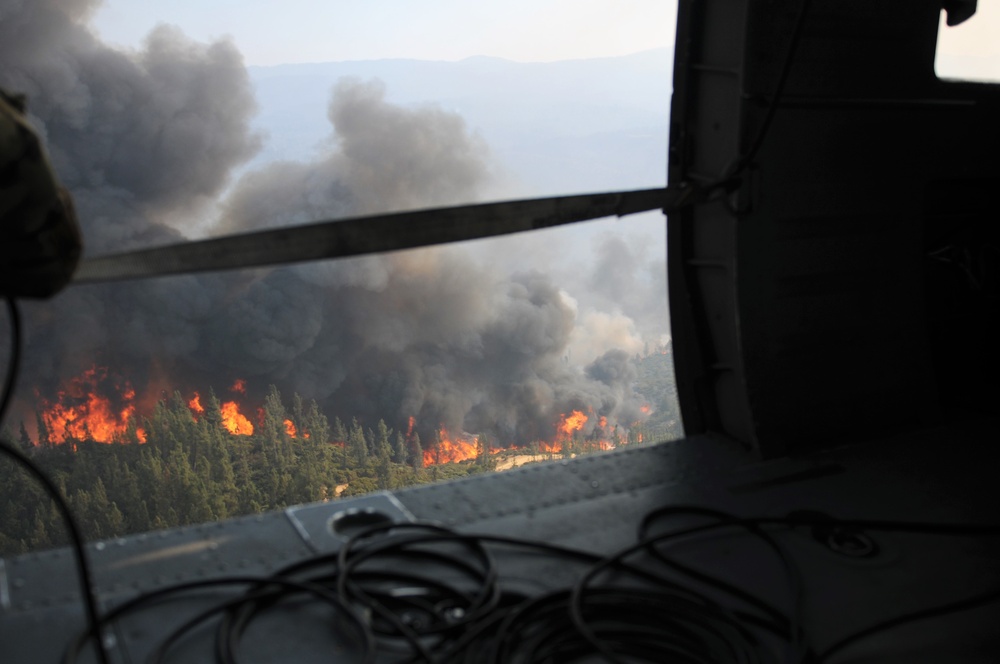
[558, 127]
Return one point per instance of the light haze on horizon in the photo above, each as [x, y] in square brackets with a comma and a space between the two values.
[299, 31]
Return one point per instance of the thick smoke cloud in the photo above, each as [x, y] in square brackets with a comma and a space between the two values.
[131, 134]
[383, 158]
[440, 334]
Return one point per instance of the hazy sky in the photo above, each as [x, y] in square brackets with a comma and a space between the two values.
[271, 32]
[972, 49]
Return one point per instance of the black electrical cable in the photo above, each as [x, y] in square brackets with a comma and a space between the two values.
[453, 652]
[715, 616]
[918, 527]
[742, 162]
[469, 647]
[466, 646]
[76, 538]
[730, 178]
[565, 628]
[729, 181]
[347, 562]
[140, 601]
[547, 605]
[356, 551]
[262, 587]
[367, 588]
[933, 612]
[777, 619]
[288, 589]
[474, 643]
[430, 594]
[401, 544]
[460, 632]
[14, 363]
[796, 519]
[795, 634]
[814, 519]
[637, 623]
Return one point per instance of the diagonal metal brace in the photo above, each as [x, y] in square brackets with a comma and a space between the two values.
[358, 236]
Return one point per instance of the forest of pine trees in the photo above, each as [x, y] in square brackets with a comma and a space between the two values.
[192, 470]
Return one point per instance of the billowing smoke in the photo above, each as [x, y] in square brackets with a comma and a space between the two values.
[135, 136]
[143, 139]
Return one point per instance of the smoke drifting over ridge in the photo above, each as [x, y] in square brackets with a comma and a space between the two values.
[439, 334]
[384, 158]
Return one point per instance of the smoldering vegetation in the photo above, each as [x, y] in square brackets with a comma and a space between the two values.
[147, 139]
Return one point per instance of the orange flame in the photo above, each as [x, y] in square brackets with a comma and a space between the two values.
[450, 450]
[234, 420]
[84, 413]
[195, 404]
[646, 408]
[603, 422]
[290, 428]
[573, 423]
[409, 428]
[239, 385]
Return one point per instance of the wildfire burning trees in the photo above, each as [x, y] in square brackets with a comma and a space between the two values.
[100, 406]
[194, 403]
[572, 423]
[235, 422]
[103, 407]
[95, 406]
[191, 469]
[193, 457]
[569, 438]
[447, 448]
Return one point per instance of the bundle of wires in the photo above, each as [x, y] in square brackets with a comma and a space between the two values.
[422, 592]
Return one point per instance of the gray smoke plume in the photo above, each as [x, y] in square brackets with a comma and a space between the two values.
[133, 135]
[440, 334]
[383, 158]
